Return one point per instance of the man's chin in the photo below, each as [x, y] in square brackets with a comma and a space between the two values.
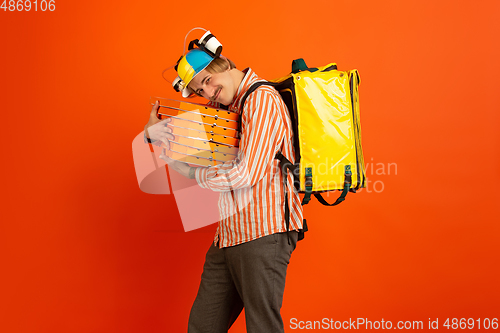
[225, 102]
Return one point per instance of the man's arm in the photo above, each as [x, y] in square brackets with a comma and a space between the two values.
[262, 131]
[192, 173]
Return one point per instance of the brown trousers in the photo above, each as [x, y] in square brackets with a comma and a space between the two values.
[250, 276]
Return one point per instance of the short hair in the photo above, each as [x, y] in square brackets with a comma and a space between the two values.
[219, 65]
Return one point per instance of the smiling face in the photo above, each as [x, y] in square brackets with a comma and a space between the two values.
[217, 87]
[218, 81]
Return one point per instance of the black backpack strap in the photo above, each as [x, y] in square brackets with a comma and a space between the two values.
[286, 166]
[347, 185]
[254, 87]
[285, 163]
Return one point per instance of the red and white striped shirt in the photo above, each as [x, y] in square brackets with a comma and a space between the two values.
[251, 203]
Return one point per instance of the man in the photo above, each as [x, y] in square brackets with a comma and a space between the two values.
[246, 265]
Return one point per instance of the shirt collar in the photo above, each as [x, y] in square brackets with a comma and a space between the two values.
[248, 80]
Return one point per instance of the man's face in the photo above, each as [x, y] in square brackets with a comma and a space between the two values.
[219, 87]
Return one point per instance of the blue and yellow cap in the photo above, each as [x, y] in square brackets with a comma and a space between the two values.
[188, 67]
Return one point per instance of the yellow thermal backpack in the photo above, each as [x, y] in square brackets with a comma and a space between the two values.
[324, 109]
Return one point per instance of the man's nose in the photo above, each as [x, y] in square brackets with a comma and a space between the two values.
[209, 90]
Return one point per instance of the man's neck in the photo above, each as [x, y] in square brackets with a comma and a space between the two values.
[237, 76]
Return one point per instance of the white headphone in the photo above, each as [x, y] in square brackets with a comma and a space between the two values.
[207, 43]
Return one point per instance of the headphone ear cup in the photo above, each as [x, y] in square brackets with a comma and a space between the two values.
[210, 44]
[178, 84]
[218, 51]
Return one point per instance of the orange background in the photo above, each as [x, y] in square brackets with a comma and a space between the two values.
[84, 250]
